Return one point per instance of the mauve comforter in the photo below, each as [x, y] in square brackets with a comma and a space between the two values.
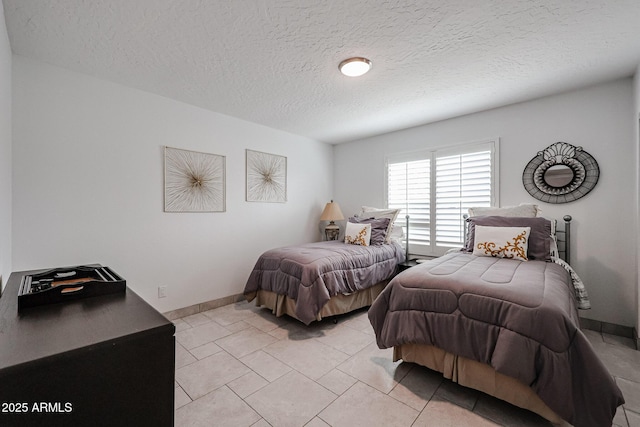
[312, 273]
[518, 317]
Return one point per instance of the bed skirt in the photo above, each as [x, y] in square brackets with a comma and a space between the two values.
[338, 304]
[478, 376]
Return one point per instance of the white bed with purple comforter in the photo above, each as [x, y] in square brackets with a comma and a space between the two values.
[316, 280]
[309, 275]
[501, 316]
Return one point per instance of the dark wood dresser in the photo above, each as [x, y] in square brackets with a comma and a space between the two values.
[99, 361]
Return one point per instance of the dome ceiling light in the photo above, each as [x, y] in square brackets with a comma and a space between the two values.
[354, 67]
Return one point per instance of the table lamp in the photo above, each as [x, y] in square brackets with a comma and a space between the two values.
[332, 213]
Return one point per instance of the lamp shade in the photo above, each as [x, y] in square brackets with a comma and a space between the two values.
[331, 212]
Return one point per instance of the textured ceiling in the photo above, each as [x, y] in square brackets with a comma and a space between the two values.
[274, 62]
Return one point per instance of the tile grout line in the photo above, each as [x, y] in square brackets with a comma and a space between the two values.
[282, 328]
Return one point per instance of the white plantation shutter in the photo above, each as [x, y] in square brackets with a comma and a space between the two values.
[436, 188]
[409, 189]
[462, 181]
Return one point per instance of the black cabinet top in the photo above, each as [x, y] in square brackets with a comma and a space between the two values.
[82, 325]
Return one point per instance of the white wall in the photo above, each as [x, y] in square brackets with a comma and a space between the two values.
[604, 227]
[88, 187]
[636, 124]
[5, 153]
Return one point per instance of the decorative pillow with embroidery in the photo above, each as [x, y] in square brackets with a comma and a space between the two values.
[540, 237]
[379, 228]
[357, 234]
[502, 242]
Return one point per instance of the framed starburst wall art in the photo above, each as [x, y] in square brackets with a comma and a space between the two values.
[193, 181]
[266, 177]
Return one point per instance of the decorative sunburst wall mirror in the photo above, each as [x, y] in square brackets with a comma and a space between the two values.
[266, 177]
[193, 181]
[561, 173]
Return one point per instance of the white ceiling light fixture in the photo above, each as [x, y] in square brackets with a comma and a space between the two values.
[355, 67]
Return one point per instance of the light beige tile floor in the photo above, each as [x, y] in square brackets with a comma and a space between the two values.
[239, 365]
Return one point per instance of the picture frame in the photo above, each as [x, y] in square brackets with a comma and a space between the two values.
[266, 179]
[194, 181]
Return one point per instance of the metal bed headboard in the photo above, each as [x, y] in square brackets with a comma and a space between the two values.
[564, 243]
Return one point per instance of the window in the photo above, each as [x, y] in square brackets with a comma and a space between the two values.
[436, 187]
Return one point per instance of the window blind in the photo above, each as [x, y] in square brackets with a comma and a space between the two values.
[409, 189]
[435, 188]
[462, 181]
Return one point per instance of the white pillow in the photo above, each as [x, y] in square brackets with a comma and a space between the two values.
[502, 242]
[397, 234]
[392, 214]
[522, 210]
[357, 234]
